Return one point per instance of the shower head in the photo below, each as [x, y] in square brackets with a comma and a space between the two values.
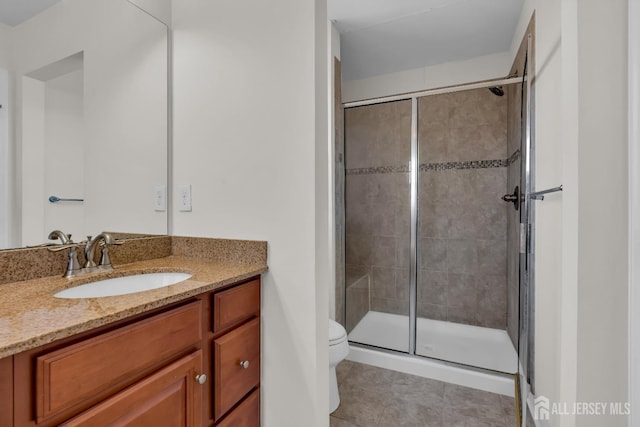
[497, 90]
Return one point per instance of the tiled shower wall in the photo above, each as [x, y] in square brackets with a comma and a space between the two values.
[462, 238]
[462, 221]
[378, 209]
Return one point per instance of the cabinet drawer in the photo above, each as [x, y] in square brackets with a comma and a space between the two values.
[247, 414]
[88, 370]
[235, 305]
[170, 397]
[232, 380]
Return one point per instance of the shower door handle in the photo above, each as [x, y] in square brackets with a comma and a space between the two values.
[513, 198]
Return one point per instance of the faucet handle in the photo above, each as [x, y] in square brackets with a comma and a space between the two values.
[57, 234]
[58, 248]
[105, 259]
[73, 265]
[113, 242]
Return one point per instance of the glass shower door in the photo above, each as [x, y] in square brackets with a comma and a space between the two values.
[378, 224]
[462, 230]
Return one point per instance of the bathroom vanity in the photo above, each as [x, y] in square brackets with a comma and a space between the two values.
[186, 355]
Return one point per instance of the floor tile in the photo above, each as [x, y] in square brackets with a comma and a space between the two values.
[508, 405]
[400, 413]
[452, 418]
[376, 397]
[418, 389]
[360, 406]
[470, 402]
[509, 410]
[368, 377]
[343, 369]
[337, 422]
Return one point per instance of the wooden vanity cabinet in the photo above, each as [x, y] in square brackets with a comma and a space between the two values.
[6, 391]
[247, 414]
[147, 370]
[69, 381]
[169, 397]
[236, 356]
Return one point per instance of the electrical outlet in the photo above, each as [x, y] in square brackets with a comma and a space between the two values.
[184, 198]
[159, 198]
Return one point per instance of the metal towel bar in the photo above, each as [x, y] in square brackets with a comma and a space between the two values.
[55, 199]
[539, 195]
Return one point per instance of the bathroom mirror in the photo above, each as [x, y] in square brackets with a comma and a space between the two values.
[88, 120]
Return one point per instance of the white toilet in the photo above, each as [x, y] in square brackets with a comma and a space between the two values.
[338, 350]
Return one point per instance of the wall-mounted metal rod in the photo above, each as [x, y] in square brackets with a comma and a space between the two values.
[55, 199]
[539, 195]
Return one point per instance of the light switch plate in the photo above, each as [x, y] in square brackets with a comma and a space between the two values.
[184, 198]
[159, 198]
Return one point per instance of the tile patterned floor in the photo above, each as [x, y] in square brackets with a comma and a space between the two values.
[376, 397]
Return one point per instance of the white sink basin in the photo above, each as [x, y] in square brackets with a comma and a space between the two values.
[123, 285]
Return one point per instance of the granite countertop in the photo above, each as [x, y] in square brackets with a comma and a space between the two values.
[30, 316]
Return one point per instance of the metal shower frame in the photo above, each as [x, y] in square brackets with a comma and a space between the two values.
[414, 162]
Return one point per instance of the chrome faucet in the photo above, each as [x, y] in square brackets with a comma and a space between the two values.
[57, 234]
[90, 251]
[73, 266]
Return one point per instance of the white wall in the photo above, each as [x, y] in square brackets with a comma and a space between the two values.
[448, 74]
[250, 136]
[581, 234]
[32, 135]
[634, 210]
[333, 43]
[603, 220]
[160, 9]
[4, 45]
[5, 153]
[64, 153]
[5, 160]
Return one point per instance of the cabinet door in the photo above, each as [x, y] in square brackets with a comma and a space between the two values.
[91, 370]
[171, 397]
[236, 366]
[247, 414]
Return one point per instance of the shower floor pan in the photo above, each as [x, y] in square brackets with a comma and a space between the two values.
[465, 344]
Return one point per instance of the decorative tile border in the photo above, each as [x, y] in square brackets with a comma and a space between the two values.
[379, 169]
[473, 164]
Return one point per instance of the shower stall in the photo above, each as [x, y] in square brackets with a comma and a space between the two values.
[431, 249]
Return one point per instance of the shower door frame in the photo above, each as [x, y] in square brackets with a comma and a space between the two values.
[414, 162]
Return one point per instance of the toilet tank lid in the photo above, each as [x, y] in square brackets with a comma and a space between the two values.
[336, 331]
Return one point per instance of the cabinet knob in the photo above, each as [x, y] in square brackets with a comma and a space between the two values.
[244, 364]
[201, 379]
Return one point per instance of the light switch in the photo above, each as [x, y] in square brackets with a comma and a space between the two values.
[159, 198]
[184, 198]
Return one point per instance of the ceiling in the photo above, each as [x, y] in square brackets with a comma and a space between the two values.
[14, 12]
[385, 36]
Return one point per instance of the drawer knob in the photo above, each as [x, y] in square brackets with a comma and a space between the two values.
[201, 379]
[244, 364]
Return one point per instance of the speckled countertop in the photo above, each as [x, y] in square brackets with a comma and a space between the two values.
[30, 316]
